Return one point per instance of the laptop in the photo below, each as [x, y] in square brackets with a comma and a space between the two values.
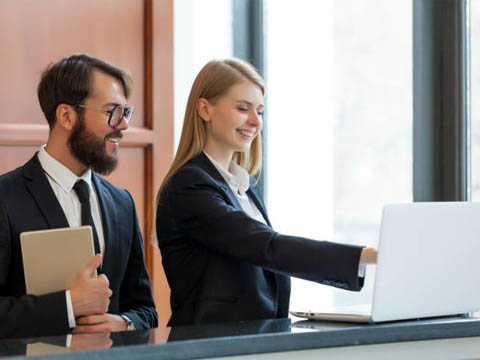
[52, 258]
[428, 265]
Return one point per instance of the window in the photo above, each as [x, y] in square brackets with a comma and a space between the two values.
[339, 98]
[199, 38]
[475, 98]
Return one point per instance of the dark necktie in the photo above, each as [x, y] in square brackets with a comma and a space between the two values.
[83, 193]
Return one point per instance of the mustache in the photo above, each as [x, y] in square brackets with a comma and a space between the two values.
[114, 134]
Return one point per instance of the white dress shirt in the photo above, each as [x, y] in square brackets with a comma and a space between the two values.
[62, 180]
[239, 181]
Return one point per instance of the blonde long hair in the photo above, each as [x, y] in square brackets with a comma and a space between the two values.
[212, 82]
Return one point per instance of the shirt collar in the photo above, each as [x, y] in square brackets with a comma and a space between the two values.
[59, 173]
[236, 176]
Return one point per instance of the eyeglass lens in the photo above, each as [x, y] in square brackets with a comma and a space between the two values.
[120, 112]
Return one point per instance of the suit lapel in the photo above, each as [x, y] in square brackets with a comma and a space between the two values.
[109, 221]
[257, 199]
[231, 197]
[204, 162]
[43, 195]
[278, 280]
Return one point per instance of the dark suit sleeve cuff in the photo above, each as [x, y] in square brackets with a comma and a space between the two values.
[44, 315]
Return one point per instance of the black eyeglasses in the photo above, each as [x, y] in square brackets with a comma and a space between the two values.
[115, 115]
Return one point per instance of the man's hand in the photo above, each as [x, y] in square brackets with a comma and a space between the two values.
[368, 256]
[90, 294]
[82, 342]
[100, 323]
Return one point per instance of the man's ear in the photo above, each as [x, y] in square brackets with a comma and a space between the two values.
[204, 109]
[66, 116]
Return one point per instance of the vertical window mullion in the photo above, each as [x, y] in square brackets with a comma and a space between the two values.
[441, 100]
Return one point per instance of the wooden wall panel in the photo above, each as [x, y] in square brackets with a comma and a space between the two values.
[35, 33]
[162, 125]
[15, 156]
[130, 174]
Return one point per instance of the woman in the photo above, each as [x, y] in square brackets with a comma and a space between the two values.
[223, 260]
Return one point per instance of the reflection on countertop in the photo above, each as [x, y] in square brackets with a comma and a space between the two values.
[245, 337]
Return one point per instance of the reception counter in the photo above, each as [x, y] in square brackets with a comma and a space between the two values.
[266, 339]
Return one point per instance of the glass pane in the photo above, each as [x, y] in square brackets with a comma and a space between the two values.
[203, 32]
[339, 80]
[475, 100]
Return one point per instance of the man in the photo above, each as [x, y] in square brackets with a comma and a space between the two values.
[84, 101]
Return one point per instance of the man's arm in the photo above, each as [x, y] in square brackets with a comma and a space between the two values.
[29, 316]
[25, 315]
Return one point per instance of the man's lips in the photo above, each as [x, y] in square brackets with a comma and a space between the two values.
[114, 137]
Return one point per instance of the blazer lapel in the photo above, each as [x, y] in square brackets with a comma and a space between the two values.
[253, 192]
[109, 221]
[231, 196]
[257, 199]
[43, 195]
[204, 162]
[276, 279]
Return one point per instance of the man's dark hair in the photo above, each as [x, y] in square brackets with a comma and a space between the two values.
[68, 81]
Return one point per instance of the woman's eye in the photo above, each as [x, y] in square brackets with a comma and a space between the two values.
[260, 113]
[242, 109]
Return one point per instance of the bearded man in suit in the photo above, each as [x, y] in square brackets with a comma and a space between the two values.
[84, 100]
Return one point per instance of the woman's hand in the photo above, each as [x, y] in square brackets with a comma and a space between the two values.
[368, 256]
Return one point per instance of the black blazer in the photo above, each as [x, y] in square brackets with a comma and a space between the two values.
[222, 265]
[27, 202]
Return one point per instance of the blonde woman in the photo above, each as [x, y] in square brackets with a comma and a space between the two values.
[223, 260]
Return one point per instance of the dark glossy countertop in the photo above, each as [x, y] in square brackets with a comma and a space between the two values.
[252, 337]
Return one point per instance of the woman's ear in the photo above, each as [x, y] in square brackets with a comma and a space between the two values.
[66, 116]
[204, 109]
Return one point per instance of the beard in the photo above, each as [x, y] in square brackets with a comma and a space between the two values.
[90, 150]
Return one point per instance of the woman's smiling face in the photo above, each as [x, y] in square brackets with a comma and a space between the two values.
[233, 120]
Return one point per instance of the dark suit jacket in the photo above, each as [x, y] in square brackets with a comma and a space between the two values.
[222, 265]
[27, 202]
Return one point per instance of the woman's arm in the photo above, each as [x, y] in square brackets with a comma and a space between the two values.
[195, 209]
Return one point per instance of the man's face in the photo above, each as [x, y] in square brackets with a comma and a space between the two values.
[93, 142]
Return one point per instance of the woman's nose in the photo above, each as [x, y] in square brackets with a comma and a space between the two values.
[256, 118]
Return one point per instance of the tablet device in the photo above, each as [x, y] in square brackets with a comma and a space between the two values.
[52, 258]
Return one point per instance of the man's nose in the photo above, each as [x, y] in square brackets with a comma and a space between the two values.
[123, 125]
